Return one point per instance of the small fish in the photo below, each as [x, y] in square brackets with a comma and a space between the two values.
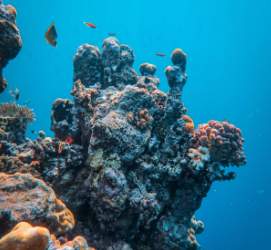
[15, 93]
[111, 34]
[51, 35]
[27, 102]
[33, 131]
[160, 54]
[259, 192]
[69, 140]
[224, 120]
[91, 25]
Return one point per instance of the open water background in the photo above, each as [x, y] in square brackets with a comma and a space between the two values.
[228, 44]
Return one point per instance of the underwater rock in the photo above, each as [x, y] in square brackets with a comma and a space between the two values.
[24, 236]
[25, 198]
[87, 65]
[111, 67]
[61, 118]
[10, 39]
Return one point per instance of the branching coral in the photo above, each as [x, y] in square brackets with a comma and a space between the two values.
[224, 142]
[22, 113]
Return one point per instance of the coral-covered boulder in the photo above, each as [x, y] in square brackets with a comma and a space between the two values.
[25, 198]
[87, 65]
[61, 118]
[23, 236]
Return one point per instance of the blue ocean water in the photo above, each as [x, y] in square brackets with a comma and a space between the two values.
[229, 59]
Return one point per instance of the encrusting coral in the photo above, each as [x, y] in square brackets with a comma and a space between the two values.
[25, 198]
[125, 159]
[23, 236]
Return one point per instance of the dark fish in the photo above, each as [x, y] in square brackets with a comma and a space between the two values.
[27, 102]
[51, 35]
[111, 34]
[224, 120]
[15, 93]
[160, 54]
[33, 132]
[91, 25]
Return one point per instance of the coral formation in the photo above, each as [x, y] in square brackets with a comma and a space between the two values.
[24, 236]
[25, 198]
[125, 158]
[224, 142]
[13, 122]
[10, 39]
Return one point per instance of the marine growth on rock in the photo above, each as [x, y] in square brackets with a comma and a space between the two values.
[125, 170]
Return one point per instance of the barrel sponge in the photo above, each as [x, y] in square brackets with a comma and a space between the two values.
[25, 198]
[23, 236]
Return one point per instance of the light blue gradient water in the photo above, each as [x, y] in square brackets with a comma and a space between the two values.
[229, 60]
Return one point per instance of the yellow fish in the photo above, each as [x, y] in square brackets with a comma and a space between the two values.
[51, 35]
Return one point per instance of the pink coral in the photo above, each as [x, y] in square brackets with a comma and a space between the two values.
[224, 142]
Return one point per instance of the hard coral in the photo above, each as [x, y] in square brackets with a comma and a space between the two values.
[140, 119]
[24, 114]
[87, 65]
[78, 243]
[199, 156]
[19, 202]
[14, 120]
[23, 236]
[61, 118]
[224, 142]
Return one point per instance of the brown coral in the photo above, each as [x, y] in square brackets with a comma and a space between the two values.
[78, 243]
[24, 236]
[189, 124]
[25, 198]
[140, 119]
[11, 165]
[24, 114]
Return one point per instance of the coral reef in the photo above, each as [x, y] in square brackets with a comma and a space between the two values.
[10, 39]
[24, 236]
[125, 159]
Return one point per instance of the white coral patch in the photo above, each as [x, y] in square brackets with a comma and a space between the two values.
[199, 156]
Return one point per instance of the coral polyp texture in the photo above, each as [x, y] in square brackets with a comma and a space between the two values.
[10, 39]
[126, 169]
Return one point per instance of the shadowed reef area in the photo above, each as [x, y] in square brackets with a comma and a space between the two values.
[126, 168]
